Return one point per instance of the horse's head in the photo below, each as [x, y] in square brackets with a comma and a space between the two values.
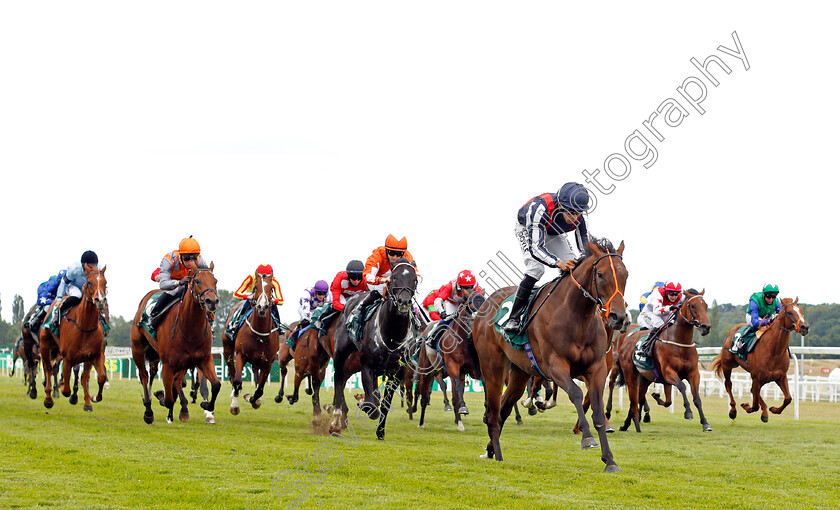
[791, 317]
[609, 277]
[263, 296]
[403, 284]
[95, 288]
[695, 311]
[203, 288]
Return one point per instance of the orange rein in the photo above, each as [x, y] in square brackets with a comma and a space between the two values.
[795, 326]
[605, 309]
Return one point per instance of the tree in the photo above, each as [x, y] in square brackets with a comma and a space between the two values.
[226, 302]
[18, 311]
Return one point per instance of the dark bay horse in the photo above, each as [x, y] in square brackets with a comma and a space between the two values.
[457, 354]
[615, 371]
[184, 340]
[675, 358]
[284, 356]
[568, 340]
[32, 357]
[311, 360]
[385, 345]
[18, 354]
[81, 339]
[768, 362]
[257, 342]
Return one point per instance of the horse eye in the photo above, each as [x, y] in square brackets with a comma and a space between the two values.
[600, 275]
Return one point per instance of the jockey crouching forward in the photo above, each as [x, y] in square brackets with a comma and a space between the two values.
[761, 311]
[47, 292]
[377, 272]
[443, 303]
[69, 292]
[345, 284]
[175, 266]
[658, 307]
[246, 292]
[540, 226]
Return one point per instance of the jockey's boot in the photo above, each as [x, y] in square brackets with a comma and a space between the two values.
[35, 320]
[366, 302]
[162, 304]
[523, 293]
[322, 323]
[647, 346]
[68, 303]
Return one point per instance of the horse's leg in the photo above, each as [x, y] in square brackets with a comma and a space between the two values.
[168, 378]
[236, 382]
[203, 387]
[74, 398]
[390, 386]
[596, 377]
[65, 378]
[586, 403]
[372, 399]
[443, 388]
[208, 368]
[46, 362]
[140, 362]
[85, 385]
[339, 410]
[184, 415]
[283, 371]
[632, 381]
[755, 389]
[608, 410]
[256, 398]
[308, 389]
[317, 378]
[672, 378]
[518, 416]
[727, 383]
[101, 376]
[300, 375]
[517, 380]
[424, 387]
[694, 382]
[782, 382]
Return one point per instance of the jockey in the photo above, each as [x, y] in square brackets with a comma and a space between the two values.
[443, 303]
[314, 297]
[540, 226]
[71, 285]
[174, 268]
[644, 297]
[345, 284]
[761, 311]
[46, 294]
[246, 290]
[377, 271]
[657, 310]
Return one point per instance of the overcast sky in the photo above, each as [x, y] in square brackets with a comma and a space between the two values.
[302, 134]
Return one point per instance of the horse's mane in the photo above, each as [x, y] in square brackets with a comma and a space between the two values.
[603, 244]
[691, 291]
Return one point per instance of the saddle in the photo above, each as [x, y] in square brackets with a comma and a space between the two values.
[355, 324]
[748, 341]
[503, 314]
[53, 321]
[238, 320]
[145, 322]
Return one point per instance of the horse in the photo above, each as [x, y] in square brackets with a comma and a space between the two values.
[412, 377]
[311, 360]
[257, 342]
[768, 362]
[18, 354]
[614, 381]
[81, 339]
[284, 356]
[184, 340]
[675, 358]
[386, 338]
[457, 354]
[568, 338]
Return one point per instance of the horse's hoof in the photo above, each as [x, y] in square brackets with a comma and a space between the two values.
[48, 404]
[588, 442]
[33, 394]
[168, 420]
[463, 410]
[707, 427]
[256, 403]
[764, 418]
[149, 418]
[234, 411]
[447, 408]
[421, 426]
[278, 398]
[74, 399]
[519, 422]
[380, 435]
[461, 427]
[733, 413]
[97, 398]
[609, 429]
[209, 418]
[532, 410]
[88, 408]
[646, 418]
[184, 416]
[613, 468]
[655, 396]
[308, 391]
[623, 429]
[688, 415]
[484, 456]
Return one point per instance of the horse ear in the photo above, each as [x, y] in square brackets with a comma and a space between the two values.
[620, 249]
[797, 300]
[702, 292]
[211, 266]
[104, 268]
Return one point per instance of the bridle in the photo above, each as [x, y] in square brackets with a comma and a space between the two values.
[391, 292]
[693, 321]
[91, 301]
[784, 314]
[604, 308]
[260, 334]
[200, 297]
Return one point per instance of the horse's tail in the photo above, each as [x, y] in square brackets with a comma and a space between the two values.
[619, 377]
[474, 359]
[717, 366]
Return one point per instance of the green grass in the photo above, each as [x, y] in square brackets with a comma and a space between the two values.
[66, 458]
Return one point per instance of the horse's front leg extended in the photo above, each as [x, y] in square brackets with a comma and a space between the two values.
[755, 389]
[782, 382]
[85, 385]
[694, 382]
[208, 368]
[597, 377]
[560, 373]
[390, 387]
[101, 376]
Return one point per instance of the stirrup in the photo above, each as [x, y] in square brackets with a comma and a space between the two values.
[513, 326]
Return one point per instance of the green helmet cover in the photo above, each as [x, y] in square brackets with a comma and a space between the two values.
[771, 288]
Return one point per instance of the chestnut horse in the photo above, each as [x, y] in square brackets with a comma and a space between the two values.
[311, 360]
[768, 362]
[81, 339]
[385, 345]
[284, 356]
[257, 342]
[675, 358]
[457, 353]
[568, 338]
[614, 381]
[184, 339]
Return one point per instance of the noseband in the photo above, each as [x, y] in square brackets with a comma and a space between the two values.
[392, 292]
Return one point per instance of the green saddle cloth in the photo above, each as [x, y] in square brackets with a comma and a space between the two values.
[501, 317]
[52, 323]
[355, 323]
[748, 341]
[641, 361]
[144, 317]
[316, 314]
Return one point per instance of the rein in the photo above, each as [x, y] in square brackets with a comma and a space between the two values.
[92, 303]
[197, 298]
[604, 309]
[795, 326]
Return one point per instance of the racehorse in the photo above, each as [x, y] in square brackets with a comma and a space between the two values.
[18, 354]
[768, 362]
[257, 342]
[81, 339]
[412, 378]
[675, 358]
[568, 340]
[457, 353]
[184, 339]
[385, 345]
[284, 356]
[32, 357]
[614, 381]
[311, 360]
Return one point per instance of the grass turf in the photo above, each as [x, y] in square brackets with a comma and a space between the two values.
[66, 458]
